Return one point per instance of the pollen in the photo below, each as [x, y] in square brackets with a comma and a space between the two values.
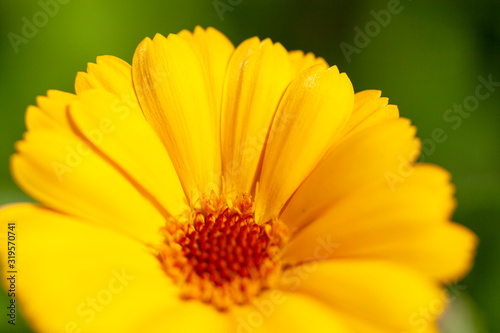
[221, 255]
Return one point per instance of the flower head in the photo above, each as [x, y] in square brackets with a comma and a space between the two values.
[219, 189]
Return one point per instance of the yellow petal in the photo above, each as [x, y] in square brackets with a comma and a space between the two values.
[283, 311]
[109, 73]
[369, 109]
[36, 119]
[63, 172]
[120, 131]
[375, 295]
[314, 108]
[190, 316]
[133, 146]
[451, 248]
[214, 50]
[356, 163]
[357, 325]
[113, 75]
[174, 91]
[50, 112]
[408, 226]
[257, 76]
[72, 276]
[301, 61]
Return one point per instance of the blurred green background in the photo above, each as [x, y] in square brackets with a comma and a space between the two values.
[426, 58]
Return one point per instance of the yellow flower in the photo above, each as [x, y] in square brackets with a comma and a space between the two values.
[211, 189]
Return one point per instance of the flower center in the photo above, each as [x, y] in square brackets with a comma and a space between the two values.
[222, 256]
